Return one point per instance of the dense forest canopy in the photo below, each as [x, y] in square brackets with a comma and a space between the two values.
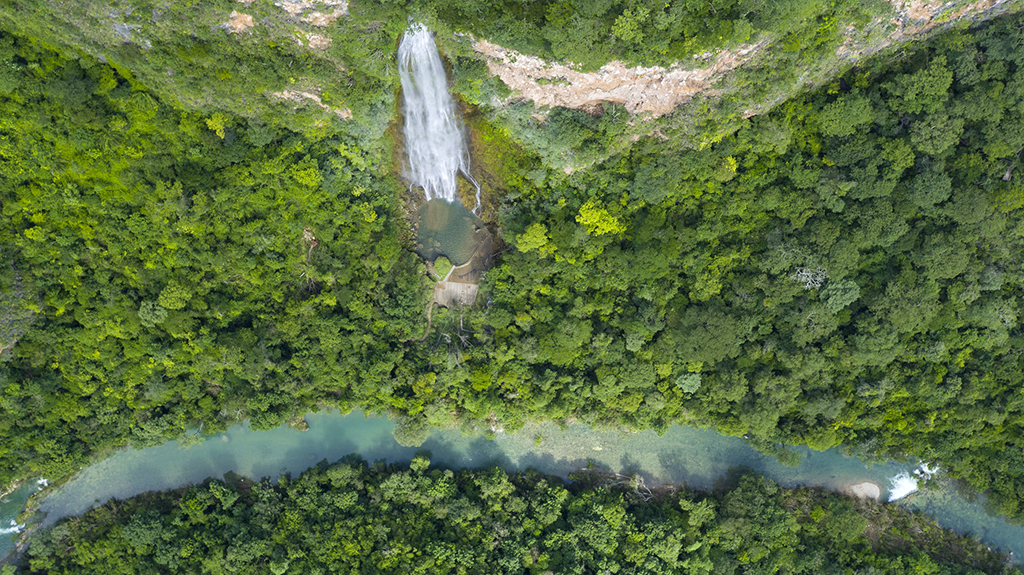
[351, 517]
[842, 270]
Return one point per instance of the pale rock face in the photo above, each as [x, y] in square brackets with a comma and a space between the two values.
[298, 7]
[640, 89]
[300, 97]
[318, 41]
[239, 22]
[866, 490]
[321, 20]
[915, 17]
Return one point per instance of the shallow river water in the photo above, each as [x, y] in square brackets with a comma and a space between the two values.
[683, 455]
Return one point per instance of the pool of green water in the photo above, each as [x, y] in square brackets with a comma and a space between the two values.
[447, 229]
[698, 458]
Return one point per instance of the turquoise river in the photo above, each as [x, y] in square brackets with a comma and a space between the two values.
[683, 455]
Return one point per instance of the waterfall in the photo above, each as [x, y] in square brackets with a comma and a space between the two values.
[434, 141]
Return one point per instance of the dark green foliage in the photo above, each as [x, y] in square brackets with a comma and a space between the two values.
[840, 270]
[162, 271]
[356, 518]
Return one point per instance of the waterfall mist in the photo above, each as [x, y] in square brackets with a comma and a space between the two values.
[434, 141]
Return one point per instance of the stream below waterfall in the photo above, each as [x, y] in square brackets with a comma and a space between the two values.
[684, 455]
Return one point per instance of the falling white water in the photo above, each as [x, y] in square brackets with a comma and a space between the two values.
[14, 528]
[434, 141]
[901, 486]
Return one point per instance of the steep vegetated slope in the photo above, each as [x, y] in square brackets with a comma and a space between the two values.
[353, 518]
[307, 66]
[707, 65]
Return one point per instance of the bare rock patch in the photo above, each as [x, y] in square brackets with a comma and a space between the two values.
[640, 89]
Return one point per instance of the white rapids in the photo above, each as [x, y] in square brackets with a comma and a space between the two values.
[14, 528]
[904, 483]
[901, 486]
[434, 141]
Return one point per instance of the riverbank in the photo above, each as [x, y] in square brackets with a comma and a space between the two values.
[532, 521]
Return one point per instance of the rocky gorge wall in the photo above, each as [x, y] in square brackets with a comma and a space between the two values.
[655, 91]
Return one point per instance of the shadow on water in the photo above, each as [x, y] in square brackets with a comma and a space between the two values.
[700, 459]
[731, 479]
[306, 456]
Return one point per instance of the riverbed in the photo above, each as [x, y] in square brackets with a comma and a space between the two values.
[698, 458]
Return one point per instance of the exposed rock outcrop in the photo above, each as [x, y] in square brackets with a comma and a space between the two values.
[640, 89]
[656, 91]
[301, 97]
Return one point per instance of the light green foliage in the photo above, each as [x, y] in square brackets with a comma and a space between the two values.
[442, 266]
[174, 296]
[534, 238]
[839, 294]
[629, 26]
[598, 221]
[688, 382]
[844, 116]
[925, 90]
[151, 314]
